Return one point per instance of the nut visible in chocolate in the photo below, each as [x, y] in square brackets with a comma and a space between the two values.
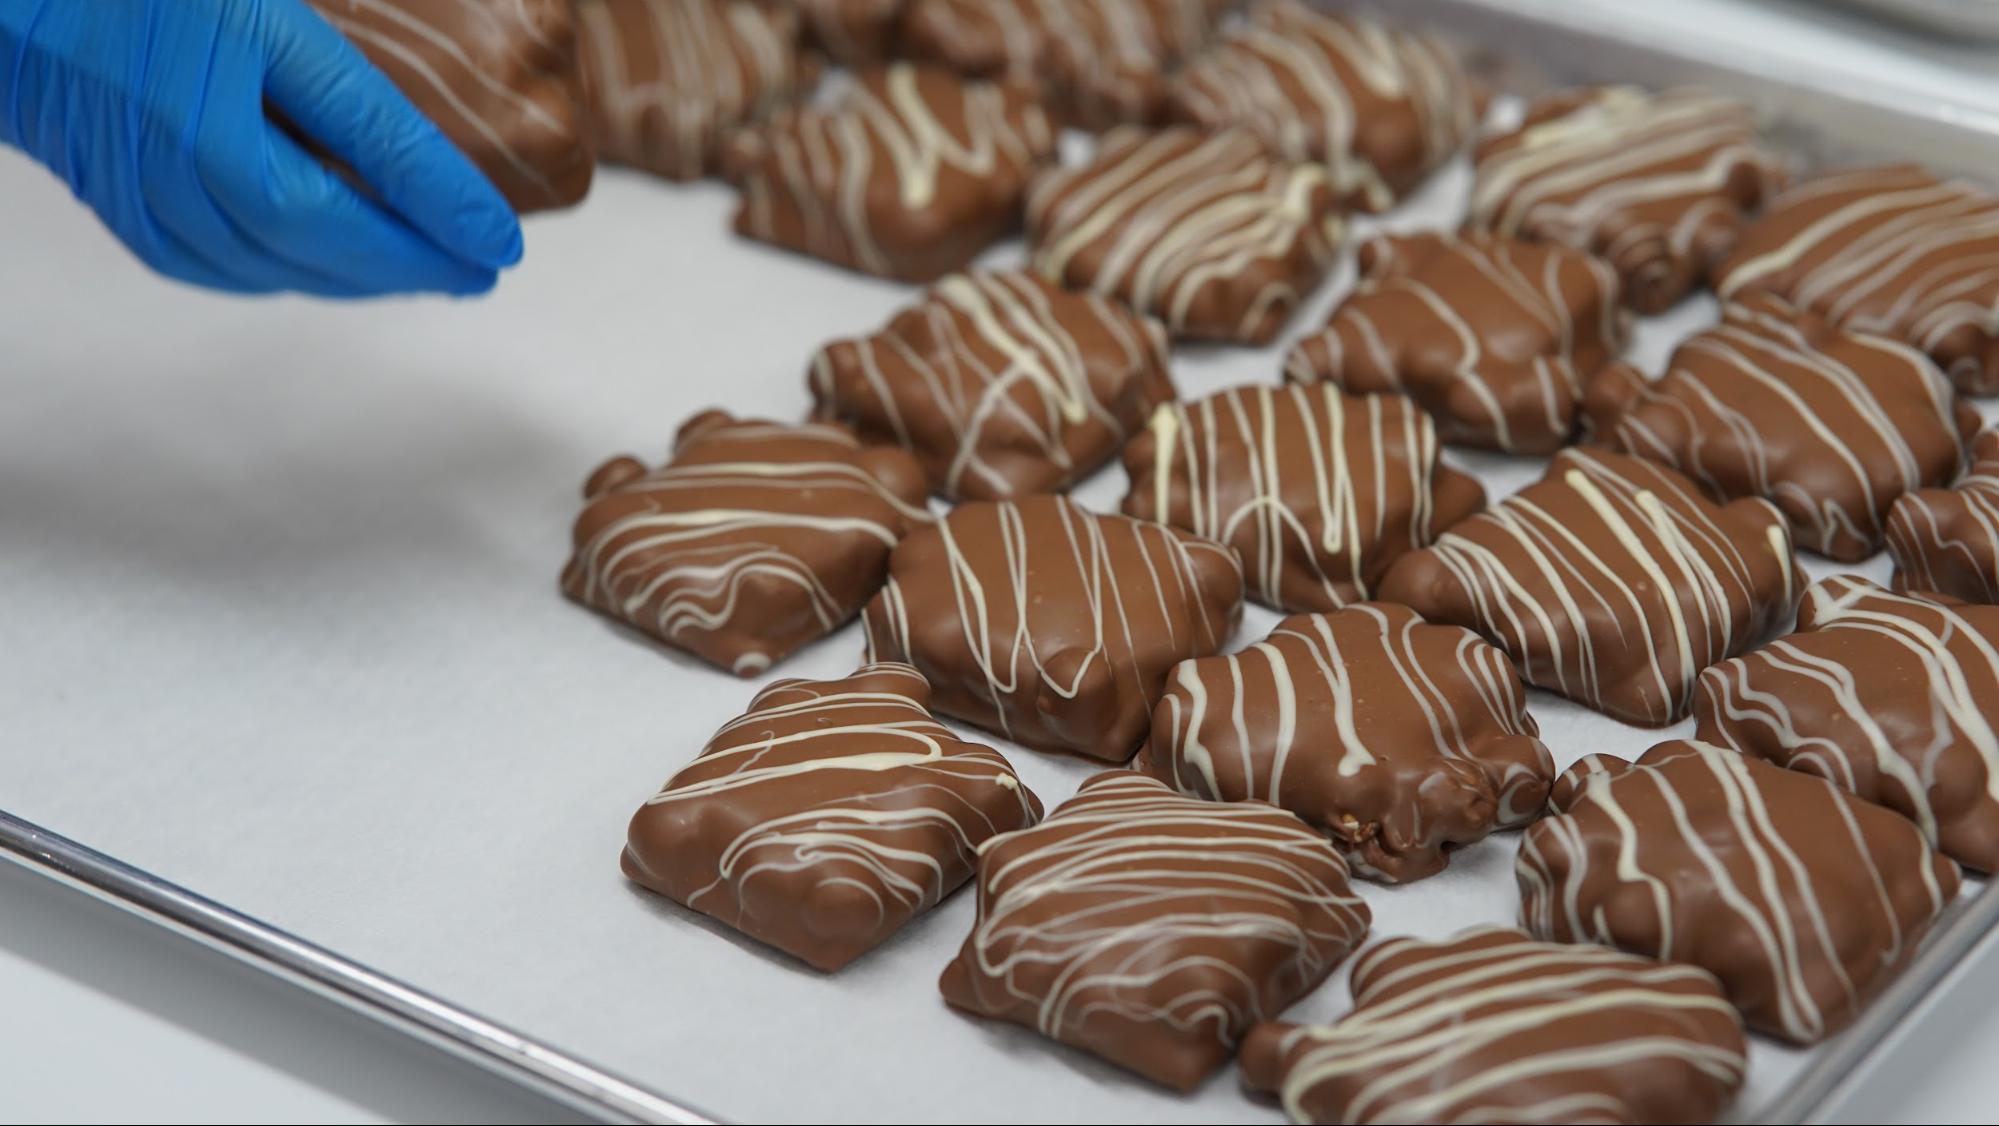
[1206, 232]
[1947, 540]
[828, 815]
[500, 80]
[1801, 898]
[1102, 62]
[1830, 426]
[1152, 929]
[1051, 624]
[1494, 336]
[1660, 184]
[1891, 250]
[910, 176]
[1000, 383]
[1493, 1026]
[1891, 697]
[1316, 490]
[670, 78]
[1399, 740]
[753, 539]
[1380, 107]
[1612, 581]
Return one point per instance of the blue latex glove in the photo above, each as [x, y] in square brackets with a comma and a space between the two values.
[154, 112]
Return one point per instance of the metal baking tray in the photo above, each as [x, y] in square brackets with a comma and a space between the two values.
[280, 627]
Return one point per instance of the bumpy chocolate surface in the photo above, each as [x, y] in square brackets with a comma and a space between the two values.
[1204, 231]
[1660, 184]
[1151, 928]
[909, 177]
[1611, 580]
[1051, 624]
[1947, 540]
[1317, 491]
[1893, 698]
[1379, 106]
[827, 816]
[1494, 336]
[501, 80]
[1801, 898]
[1493, 1026]
[753, 539]
[670, 78]
[1890, 250]
[1102, 62]
[853, 32]
[1398, 739]
[1827, 425]
[1000, 383]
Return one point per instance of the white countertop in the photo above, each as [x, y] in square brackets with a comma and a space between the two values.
[104, 1018]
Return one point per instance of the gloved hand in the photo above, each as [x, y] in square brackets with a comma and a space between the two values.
[154, 112]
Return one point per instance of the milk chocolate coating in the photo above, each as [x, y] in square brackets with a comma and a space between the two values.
[1660, 184]
[909, 177]
[1892, 698]
[1150, 928]
[1051, 624]
[1492, 1026]
[1380, 107]
[670, 78]
[753, 539]
[1890, 250]
[500, 80]
[1000, 383]
[1204, 231]
[851, 32]
[1611, 580]
[1493, 336]
[1398, 739]
[827, 816]
[1829, 426]
[1102, 62]
[1801, 898]
[1947, 540]
[1317, 491]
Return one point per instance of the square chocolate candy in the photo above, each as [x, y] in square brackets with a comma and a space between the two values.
[910, 176]
[1151, 928]
[827, 816]
[753, 539]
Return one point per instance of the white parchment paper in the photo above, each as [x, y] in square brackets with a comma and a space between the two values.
[279, 622]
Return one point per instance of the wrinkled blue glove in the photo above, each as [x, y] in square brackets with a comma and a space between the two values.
[154, 112]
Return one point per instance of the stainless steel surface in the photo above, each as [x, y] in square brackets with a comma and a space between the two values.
[499, 1049]
[1959, 17]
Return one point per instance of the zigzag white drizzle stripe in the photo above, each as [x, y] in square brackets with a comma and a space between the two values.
[1829, 426]
[1645, 179]
[1306, 81]
[1491, 1026]
[999, 382]
[1892, 698]
[845, 785]
[1397, 738]
[1947, 540]
[1890, 250]
[1314, 489]
[1611, 581]
[1206, 232]
[1800, 899]
[669, 77]
[1147, 926]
